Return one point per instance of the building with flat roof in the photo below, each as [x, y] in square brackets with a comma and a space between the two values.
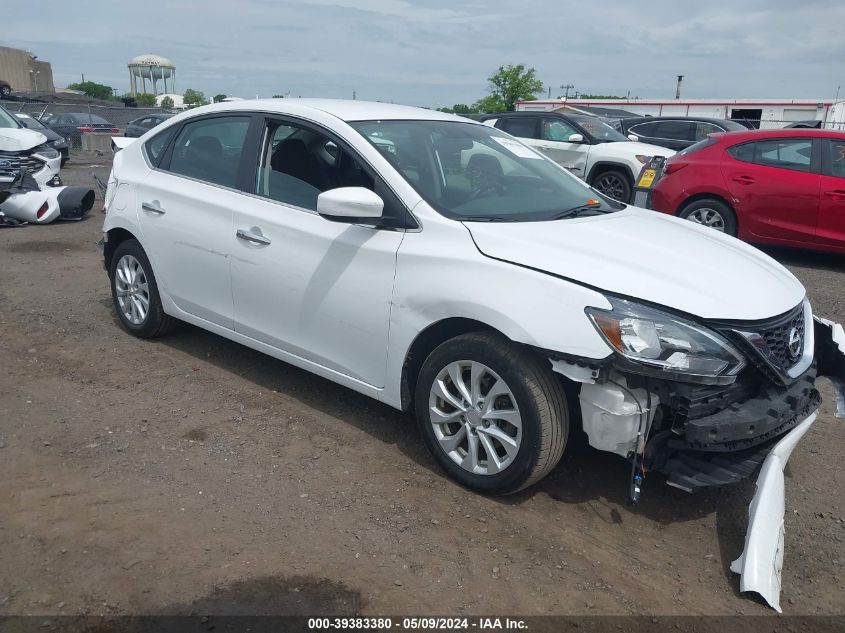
[24, 72]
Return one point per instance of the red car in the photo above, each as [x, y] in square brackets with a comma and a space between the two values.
[783, 187]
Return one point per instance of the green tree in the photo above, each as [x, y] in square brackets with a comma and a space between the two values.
[167, 103]
[278, 96]
[490, 104]
[146, 100]
[218, 98]
[194, 97]
[459, 108]
[510, 84]
[94, 90]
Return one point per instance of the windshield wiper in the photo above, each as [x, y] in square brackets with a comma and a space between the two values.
[576, 211]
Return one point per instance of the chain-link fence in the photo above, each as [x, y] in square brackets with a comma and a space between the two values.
[119, 116]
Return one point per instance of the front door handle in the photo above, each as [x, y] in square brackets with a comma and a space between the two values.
[836, 194]
[153, 207]
[744, 180]
[252, 237]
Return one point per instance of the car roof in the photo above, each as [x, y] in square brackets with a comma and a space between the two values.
[757, 135]
[705, 119]
[346, 110]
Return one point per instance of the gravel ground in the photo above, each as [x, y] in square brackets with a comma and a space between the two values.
[191, 473]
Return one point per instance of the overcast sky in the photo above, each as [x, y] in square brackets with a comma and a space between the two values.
[440, 52]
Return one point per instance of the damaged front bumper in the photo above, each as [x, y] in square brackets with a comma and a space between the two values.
[701, 436]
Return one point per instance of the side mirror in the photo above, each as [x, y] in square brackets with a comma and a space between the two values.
[349, 204]
[576, 138]
[634, 137]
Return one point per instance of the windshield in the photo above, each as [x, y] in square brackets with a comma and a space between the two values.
[599, 130]
[475, 172]
[7, 120]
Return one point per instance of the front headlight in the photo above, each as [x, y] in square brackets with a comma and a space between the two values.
[665, 344]
[46, 151]
[57, 142]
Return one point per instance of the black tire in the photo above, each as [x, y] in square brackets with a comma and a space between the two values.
[614, 184]
[155, 322]
[5, 91]
[539, 397]
[705, 208]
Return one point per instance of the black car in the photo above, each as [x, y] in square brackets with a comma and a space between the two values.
[812, 124]
[54, 139]
[141, 126]
[675, 132]
[72, 125]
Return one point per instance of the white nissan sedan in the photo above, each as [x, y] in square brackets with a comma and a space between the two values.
[441, 266]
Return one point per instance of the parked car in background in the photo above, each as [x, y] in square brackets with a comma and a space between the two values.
[676, 133]
[811, 123]
[72, 125]
[23, 150]
[782, 187]
[585, 145]
[53, 138]
[144, 124]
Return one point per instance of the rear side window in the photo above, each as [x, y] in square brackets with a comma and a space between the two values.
[744, 152]
[703, 129]
[210, 149]
[154, 148]
[522, 127]
[675, 130]
[786, 154]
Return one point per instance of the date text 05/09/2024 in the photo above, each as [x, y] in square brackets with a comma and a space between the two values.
[417, 624]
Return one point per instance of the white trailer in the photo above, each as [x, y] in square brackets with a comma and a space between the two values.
[764, 113]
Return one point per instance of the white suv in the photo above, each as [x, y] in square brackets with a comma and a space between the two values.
[440, 266]
[585, 145]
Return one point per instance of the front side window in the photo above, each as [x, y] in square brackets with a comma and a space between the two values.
[474, 172]
[299, 163]
[785, 154]
[644, 129]
[556, 130]
[836, 153]
[210, 149]
[703, 129]
[598, 129]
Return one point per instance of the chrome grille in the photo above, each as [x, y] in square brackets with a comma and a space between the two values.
[11, 164]
[777, 345]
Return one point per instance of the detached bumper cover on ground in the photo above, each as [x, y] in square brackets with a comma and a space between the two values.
[761, 561]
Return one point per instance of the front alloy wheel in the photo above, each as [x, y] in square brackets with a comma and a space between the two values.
[614, 185]
[475, 418]
[492, 412]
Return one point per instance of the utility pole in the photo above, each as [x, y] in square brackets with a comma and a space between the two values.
[567, 88]
[354, 96]
[678, 88]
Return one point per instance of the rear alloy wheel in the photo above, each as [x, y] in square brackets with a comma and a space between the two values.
[135, 292]
[5, 91]
[492, 414]
[614, 184]
[711, 213]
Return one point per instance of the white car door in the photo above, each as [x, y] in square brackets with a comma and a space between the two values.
[315, 288]
[554, 142]
[185, 213]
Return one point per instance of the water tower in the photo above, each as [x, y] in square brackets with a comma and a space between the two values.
[153, 69]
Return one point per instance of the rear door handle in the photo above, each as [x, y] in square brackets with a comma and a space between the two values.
[252, 237]
[836, 194]
[744, 180]
[153, 207]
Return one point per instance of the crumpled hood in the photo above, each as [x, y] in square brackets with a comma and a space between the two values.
[19, 140]
[650, 256]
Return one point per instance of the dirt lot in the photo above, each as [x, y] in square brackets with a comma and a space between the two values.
[191, 473]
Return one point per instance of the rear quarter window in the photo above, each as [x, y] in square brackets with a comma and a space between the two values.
[744, 152]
